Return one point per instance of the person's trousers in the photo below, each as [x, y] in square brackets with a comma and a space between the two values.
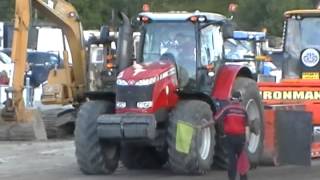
[234, 145]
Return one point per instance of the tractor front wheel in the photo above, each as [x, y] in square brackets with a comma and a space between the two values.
[190, 147]
[94, 156]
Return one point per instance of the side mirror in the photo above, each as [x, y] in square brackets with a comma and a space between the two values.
[227, 30]
[104, 35]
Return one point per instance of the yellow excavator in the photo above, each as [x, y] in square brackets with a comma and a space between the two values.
[65, 85]
[72, 84]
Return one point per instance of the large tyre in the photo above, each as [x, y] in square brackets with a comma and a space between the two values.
[142, 157]
[253, 105]
[59, 126]
[93, 155]
[200, 156]
[220, 157]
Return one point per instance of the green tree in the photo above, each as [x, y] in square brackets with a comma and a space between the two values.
[93, 14]
[7, 10]
[251, 15]
[256, 15]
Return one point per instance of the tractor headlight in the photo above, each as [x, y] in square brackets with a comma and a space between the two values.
[146, 82]
[122, 82]
[144, 104]
[121, 104]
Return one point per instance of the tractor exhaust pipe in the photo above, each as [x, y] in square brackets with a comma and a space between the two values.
[124, 43]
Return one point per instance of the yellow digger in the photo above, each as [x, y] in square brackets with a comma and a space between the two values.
[73, 84]
[65, 85]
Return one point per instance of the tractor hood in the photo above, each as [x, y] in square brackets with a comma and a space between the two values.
[146, 73]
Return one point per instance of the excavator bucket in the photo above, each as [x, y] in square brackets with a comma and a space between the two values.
[16, 121]
[32, 128]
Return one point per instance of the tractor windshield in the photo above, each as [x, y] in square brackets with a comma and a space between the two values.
[302, 34]
[174, 41]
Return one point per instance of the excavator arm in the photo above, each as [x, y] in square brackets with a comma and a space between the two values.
[15, 108]
[65, 85]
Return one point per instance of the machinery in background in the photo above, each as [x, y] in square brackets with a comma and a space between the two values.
[299, 87]
[250, 49]
[17, 121]
[69, 84]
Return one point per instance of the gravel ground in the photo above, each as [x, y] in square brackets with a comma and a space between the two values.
[53, 160]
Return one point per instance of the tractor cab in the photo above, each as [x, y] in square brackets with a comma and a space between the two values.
[246, 48]
[192, 42]
[301, 45]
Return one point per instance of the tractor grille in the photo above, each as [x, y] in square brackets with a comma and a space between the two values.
[133, 94]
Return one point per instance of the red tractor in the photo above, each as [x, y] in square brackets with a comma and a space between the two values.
[174, 87]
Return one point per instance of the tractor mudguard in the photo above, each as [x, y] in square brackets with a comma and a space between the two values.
[164, 96]
[225, 79]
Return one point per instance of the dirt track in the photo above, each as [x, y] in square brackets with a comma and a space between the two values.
[54, 160]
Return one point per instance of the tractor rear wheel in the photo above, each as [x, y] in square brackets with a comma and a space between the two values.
[253, 105]
[142, 157]
[93, 155]
[198, 157]
[220, 159]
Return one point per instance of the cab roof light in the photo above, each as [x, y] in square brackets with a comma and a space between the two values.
[197, 19]
[143, 19]
[193, 18]
[202, 18]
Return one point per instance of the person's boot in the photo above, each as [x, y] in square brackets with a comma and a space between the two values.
[243, 177]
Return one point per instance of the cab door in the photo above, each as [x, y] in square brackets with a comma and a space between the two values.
[210, 56]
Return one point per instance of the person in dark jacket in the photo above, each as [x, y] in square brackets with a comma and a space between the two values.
[234, 121]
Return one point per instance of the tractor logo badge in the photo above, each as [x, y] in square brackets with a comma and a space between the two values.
[137, 68]
[310, 57]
